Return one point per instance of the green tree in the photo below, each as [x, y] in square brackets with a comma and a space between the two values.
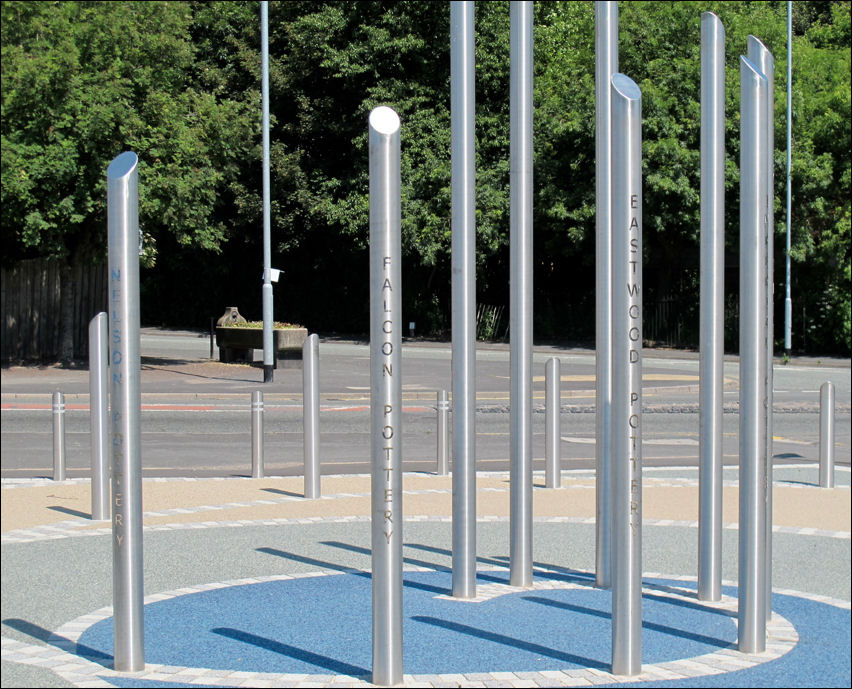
[82, 82]
[179, 83]
[821, 189]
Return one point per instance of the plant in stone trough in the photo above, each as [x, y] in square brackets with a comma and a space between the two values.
[278, 325]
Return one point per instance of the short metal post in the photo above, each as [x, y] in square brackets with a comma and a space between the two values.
[58, 436]
[98, 414]
[443, 433]
[310, 415]
[552, 434]
[257, 434]
[826, 435]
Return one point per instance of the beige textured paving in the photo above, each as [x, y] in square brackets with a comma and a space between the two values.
[26, 506]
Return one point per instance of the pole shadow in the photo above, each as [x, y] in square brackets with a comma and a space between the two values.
[544, 570]
[650, 626]
[709, 609]
[412, 584]
[313, 562]
[68, 510]
[323, 564]
[288, 493]
[449, 553]
[48, 637]
[512, 642]
[484, 576]
[338, 667]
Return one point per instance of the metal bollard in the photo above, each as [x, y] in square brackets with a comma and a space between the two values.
[58, 436]
[257, 434]
[443, 433]
[99, 414]
[310, 415]
[826, 435]
[552, 409]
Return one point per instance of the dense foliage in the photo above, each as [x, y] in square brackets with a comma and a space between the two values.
[179, 83]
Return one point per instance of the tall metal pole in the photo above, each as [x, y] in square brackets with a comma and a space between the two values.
[606, 64]
[762, 58]
[521, 246]
[711, 364]
[788, 300]
[626, 376]
[752, 500]
[310, 415]
[464, 297]
[268, 318]
[386, 395]
[99, 413]
[125, 412]
[552, 417]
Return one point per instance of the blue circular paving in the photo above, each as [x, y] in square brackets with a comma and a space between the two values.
[322, 625]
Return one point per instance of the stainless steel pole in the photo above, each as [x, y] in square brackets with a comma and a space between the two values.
[626, 376]
[462, 63]
[125, 412]
[257, 434]
[762, 58]
[826, 435]
[712, 323]
[266, 294]
[788, 300]
[310, 415]
[606, 64]
[752, 500]
[58, 407]
[99, 414]
[386, 395]
[521, 249]
[552, 414]
[443, 435]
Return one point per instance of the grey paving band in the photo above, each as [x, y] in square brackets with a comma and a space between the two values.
[73, 528]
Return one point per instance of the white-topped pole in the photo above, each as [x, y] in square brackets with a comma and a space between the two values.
[386, 395]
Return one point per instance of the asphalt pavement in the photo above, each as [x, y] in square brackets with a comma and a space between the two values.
[195, 413]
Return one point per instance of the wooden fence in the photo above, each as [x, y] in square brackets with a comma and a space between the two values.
[46, 308]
